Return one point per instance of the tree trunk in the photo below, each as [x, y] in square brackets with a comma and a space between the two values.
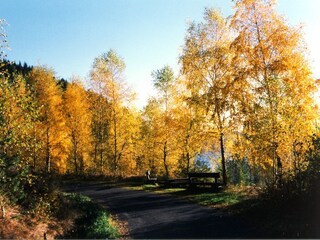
[223, 161]
[165, 159]
[75, 160]
[188, 162]
[95, 154]
[279, 172]
[48, 157]
[35, 149]
[187, 150]
[81, 165]
[101, 158]
[75, 152]
[115, 142]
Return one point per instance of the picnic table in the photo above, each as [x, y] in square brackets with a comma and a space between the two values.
[194, 180]
[201, 179]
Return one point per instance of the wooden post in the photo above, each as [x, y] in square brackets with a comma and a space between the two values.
[3, 214]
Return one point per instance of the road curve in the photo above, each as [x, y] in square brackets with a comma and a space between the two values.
[151, 216]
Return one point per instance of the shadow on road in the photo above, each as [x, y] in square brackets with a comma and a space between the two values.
[158, 216]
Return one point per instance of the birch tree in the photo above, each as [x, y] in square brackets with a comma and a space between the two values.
[108, 74]
[271, 59]
[78, 121]
[206, 63]
[52, 123]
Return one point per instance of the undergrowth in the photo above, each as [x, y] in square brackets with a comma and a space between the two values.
[91, 221]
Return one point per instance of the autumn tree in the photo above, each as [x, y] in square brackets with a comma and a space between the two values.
[163, 80]
[151, 155]
[16, 141]
[191, 126]
[270, 58]
[16, 122]
[12, 116]
[107, 76]
[99, 109]
[206, 63]
[78, 122]
[130, 130]
[51, 129]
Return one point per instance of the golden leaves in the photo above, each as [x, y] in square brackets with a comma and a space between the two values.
[78, 122]
[253, 71]
[52, 124]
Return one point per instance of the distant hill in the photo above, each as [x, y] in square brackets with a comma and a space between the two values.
[24, 69]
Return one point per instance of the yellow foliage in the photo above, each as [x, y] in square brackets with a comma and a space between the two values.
[279, 119]
[78, 121]
[52, 125]
[107, 78]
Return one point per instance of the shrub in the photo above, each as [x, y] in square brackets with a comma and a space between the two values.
[92, 222]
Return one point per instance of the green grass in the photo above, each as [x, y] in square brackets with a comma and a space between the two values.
[143, 187]
[217, 199]
[93, 221]
[220, 199]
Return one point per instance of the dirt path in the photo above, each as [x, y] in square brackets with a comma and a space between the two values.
[155, 216]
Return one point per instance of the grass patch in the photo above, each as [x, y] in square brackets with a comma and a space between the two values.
[203, 196]
[143, 187]
[278, 217]
[222, 199]
[214, 199]
[92, 220]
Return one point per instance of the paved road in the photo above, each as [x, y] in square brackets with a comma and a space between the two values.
[152, 216]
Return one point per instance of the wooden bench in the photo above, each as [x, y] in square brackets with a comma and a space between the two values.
[150, 179]
[199, 179]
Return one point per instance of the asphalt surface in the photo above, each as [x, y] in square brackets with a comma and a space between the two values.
[151, 216]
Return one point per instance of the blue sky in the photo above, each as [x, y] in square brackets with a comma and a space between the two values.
[68, 34]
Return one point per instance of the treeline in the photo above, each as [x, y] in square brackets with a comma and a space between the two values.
[245, 90]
